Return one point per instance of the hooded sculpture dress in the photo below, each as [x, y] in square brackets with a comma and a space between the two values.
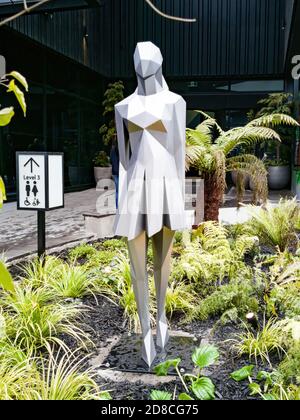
[151, 139]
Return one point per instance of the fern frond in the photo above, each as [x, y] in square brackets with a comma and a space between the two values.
[290, 274]
[209, 125]
[253, 167]
[197, 147]
[193, 152]
[275, 226]
[213, 238]
[198, 151]
[244, 244]
[248, 135]
[273, 120]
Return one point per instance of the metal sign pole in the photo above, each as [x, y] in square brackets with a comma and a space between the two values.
[41, 233]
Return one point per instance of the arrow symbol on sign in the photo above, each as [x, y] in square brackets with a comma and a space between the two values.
[32, 162]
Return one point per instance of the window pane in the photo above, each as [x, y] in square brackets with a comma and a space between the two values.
[198, 86]
[258, 86]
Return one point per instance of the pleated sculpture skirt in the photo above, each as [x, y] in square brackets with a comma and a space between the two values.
[151, 195]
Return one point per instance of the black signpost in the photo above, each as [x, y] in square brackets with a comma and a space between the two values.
[41, 233]
[40, 187]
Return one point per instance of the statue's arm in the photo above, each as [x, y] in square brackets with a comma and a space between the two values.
[123, 142]
[124, 154]
[180, 133]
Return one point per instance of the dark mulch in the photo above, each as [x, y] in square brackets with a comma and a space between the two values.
[105, 320]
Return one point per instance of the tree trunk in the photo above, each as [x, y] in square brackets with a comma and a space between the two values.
[278, 152]
[213, 197]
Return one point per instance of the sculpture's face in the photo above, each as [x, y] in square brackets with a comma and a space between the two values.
[147, 59]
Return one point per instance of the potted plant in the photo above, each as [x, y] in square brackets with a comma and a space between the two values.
[279, 154]
[102, 166]
[279, 174]
[113, 95]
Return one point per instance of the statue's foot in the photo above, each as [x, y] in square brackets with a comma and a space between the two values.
[162, 334]
[148, 351]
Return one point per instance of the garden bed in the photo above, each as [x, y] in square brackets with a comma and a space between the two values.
[234, 290]
[105, 320]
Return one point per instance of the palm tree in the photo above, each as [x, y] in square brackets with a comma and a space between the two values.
[209, 149]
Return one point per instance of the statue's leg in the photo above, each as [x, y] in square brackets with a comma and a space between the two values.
[138, 256]
[162, 250]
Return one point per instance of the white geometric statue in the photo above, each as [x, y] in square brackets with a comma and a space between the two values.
[151, 137]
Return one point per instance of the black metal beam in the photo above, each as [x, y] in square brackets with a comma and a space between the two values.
[95, 3]
[8, 9]
[294, 37]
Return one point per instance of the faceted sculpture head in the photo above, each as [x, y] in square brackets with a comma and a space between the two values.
[147, 59]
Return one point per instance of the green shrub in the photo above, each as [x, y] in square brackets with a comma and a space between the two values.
[180, 298]
[100, 259]
[15, 381]
[290, 366]
[37, 272]
[229, 302]
[13, 355]
[32, 321]
[270, 339]
[114, 244]
[275, 226]
[63, 378]
[285, 300]
[211, 256]
[101, 159]
[82, 251]
[60, 377]
[72, 281]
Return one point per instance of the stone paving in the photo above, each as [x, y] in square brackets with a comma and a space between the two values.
[18, 229]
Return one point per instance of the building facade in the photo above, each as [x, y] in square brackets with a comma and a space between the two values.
[236, 53]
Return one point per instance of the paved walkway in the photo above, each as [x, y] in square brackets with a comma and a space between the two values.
[232, 215]
[18, 229]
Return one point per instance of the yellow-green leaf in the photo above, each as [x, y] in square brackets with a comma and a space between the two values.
[242, 374]
[6, 281]
[163, 368]
[2, 192]
[2, 327]
[204, 389]
[6, 115]
[21, 79]
[12, 87]
[160, 395]
[185, 397]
